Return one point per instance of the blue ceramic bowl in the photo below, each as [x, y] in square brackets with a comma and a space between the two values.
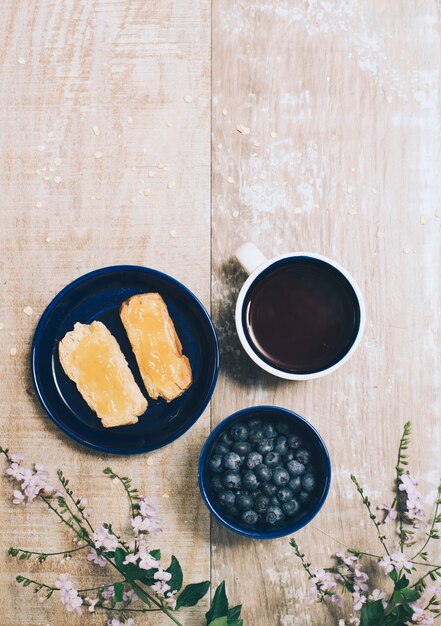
[313, 441]
[98, 296]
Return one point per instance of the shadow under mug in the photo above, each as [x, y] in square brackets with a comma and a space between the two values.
[257, 266]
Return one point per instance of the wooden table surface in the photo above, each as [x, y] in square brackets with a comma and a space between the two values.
[106, 109]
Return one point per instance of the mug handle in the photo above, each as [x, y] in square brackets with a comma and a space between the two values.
[250, 257]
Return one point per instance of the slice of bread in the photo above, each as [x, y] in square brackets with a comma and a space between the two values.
[166, 372]
[92, 358]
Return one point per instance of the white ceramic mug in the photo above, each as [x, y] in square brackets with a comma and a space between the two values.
[255, 263]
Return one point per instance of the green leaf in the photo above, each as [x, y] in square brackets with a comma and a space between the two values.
[372, 614]
[156, 554]
[118, 589]
[191, 594]
[402, 583]
[394, 575]
[234, 612]
[175, 570]
[219, 604]
[235, 622]
[120, 556]
[219, 621]
[411, 595]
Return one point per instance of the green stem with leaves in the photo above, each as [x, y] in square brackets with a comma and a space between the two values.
[400, 469]
[372, 515]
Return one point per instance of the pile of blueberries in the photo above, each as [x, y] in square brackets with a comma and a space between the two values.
[262, 472]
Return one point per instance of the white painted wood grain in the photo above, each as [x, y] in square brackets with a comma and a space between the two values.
[79, 80]
[343, 159]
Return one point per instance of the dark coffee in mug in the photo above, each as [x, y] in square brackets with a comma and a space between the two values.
[301, 315]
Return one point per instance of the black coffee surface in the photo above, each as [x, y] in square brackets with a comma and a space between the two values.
[301, 316]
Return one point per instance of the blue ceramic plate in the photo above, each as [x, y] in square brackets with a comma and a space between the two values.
[313, 442]
[98, 296]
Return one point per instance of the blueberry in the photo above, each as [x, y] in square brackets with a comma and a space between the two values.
[254, 422]
[289, 456]
[274, 501]
[239, 432]
[303, 456]
[231, 479]
[291, 507]
[280, 476]
[274, 515]
[250, 517]
[216, 482]
[281, 447]
[244, 501]
[295, 484]
[272, 459]
[304, 496]
[256, 435]
[285, 494]
[295, 468]
[250, 481]
[309, 482]
[269, 431]
[261, 503]
[226, 498]
[215, 463]
[231, 461]
[269, 489]
[266, 445]
[241, 447]
[221, 448]
[282, 427]
[294, 442]
[253, 460]
[233, 511]
[263, 473]
[226, 439]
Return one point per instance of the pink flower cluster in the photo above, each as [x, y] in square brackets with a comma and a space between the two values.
[30, 482]
[414, 510]
[431, 595]
[396, 561]
[147, 520]
[69, 595]
[103, 538]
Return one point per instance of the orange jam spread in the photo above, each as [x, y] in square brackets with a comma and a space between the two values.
[99, 376]
[159, 353]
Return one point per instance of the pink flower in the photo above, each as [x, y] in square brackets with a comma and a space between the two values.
[147, 560]
[68, 594]
[147, 507]
[131, 558]
[18, 497]
[378, 595]
[160, 587]
[16, 458]
[91, 604]
[400, 561]
[108, 593]
[391, 514]
[104, 539]
[415, 512]
[162, 575]
[170, 599]
[95, 558]
[15, 471]
[386, 564]
[116, 622]
[358, 601]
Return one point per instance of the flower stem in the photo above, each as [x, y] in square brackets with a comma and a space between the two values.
[372, 515]
[399, 469]
[138, 589]
[15, 551]
[100, 587]
[77, 533]
[435, 520]
[69, 493]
